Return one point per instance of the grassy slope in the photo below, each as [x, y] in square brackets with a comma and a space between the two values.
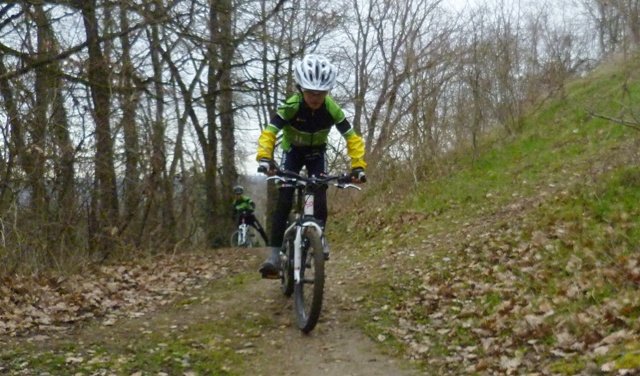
[526, 259]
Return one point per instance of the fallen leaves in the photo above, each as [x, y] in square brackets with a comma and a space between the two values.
[510, 298]
[44, 304]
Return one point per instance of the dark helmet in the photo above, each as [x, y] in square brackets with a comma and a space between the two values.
[238, 189]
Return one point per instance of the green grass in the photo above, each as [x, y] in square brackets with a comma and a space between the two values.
[583, 174]
[200, 349]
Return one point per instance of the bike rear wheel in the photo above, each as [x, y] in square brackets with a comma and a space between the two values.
[309, 291]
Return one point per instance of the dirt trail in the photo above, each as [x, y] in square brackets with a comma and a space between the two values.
[334, 347]
[272, 346]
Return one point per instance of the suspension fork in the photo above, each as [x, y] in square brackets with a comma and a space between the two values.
[243, 230]
[297, 246]
[306, 203]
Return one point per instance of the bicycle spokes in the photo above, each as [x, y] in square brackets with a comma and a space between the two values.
[309, 289]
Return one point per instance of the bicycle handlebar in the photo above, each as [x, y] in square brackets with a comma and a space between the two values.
[342, 180]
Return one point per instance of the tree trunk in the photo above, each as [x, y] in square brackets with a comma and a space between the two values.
[16, 138]
[105, 197]
[38, 129]
[227, 127]
[63, 154]
[210, 150]
[130, 98]
[161, 189]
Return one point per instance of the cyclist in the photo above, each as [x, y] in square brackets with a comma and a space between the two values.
[305, 120]
[243, 207]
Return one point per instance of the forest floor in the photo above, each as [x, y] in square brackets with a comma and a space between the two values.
[189, 314]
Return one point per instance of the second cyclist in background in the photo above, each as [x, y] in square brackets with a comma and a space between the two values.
[243, 206]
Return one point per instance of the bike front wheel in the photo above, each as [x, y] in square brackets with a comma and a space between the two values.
[286, 278]
[236, 240]
[249, 238]
[309, 291]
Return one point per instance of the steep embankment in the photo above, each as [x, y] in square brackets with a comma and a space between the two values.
[526, 260]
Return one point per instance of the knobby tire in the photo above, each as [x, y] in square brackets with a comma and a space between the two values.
[235, 240]
[308, 293]
[286, 279]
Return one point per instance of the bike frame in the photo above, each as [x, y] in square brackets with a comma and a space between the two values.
[304, 216]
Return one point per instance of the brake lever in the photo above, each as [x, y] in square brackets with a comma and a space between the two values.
[347, 185]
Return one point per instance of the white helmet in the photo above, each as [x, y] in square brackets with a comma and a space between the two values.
[315, 72]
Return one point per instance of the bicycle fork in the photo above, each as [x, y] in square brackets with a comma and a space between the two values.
[242, 234]
[297, 247]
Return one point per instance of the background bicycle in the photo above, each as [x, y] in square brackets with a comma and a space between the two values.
[245, 234]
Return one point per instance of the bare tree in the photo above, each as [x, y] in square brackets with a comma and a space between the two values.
[105, 199]
[225, 41]
[476, 76]
[38, 127]
[129, 98]
[51, 112]
[616, 22]
[158, 212]
[392, 42]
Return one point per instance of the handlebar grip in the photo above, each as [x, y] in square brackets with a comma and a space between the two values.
[360, 176]
[262, 169]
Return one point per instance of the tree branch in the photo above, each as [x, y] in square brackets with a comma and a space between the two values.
[36, 63]
[630, 124]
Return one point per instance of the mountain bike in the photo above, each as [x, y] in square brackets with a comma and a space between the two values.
[305, 249]
[244, 236]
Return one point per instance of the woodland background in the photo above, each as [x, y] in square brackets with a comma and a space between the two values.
[126, 123]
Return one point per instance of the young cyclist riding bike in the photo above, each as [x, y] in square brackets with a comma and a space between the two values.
[305, 120]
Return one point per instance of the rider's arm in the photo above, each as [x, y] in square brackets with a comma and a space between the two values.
[355, 143]
[267, 140]
[355, 148]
